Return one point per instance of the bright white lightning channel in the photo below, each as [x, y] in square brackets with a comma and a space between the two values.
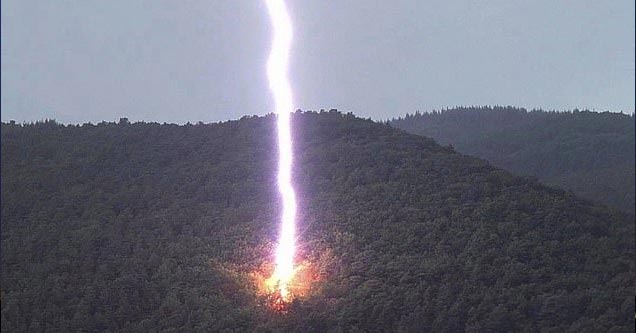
[277, 66]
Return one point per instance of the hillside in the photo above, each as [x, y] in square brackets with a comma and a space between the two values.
[589, 153]
[149, 227]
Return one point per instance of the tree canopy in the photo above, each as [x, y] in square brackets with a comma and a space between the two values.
[589, 153]
[148, 227]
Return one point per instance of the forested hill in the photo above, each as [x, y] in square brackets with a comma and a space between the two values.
[589, 153]
[145, 227]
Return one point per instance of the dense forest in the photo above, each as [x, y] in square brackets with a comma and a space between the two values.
[589, 153]
[144, 227]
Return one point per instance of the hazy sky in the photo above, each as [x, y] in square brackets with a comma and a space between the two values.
[178, 61]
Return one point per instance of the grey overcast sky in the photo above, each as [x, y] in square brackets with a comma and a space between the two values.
[177, 61]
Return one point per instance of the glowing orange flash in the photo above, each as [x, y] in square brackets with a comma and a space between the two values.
[279, 85]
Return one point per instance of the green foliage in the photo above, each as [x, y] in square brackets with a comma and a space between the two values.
[589, 153]
[148, 227]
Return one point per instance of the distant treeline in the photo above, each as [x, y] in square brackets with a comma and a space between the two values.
[589, 153]
[138, 227]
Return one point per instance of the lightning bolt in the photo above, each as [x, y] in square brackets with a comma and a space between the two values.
[277, 67]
